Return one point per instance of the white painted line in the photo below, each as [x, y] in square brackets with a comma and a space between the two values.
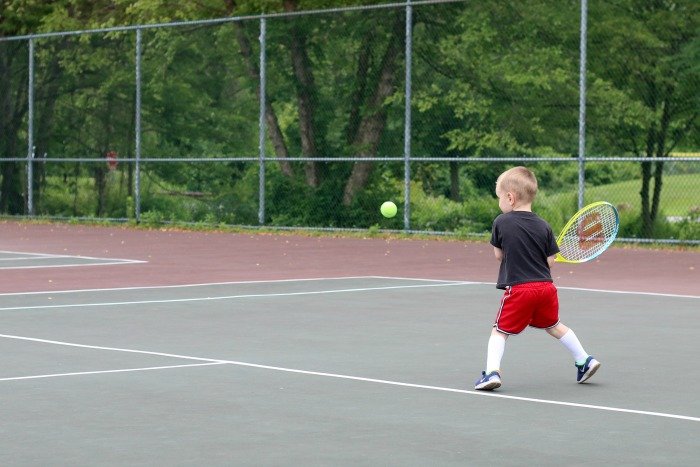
[51, 255]
[561, 287]
[272, 281]
[72, 265]
[22, 258]
[464, 391]
[624, 292]
[151, 287]
[423, 280]
[225, 297]
[24, 253]
[39, 256]
[373, 380]
[99, 372]
[115, 349]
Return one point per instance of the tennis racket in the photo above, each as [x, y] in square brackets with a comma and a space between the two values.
[588, 233]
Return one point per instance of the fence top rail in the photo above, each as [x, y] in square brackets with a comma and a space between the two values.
[230, 19]
[352, 159]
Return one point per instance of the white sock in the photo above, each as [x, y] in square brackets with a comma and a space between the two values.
[572, 343]
[496, 348]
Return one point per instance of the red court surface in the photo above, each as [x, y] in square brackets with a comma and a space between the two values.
[183, 257]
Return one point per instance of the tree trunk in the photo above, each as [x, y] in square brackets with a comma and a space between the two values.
[11, 114]
[372, 125]
[660, 152]
[75, 183]
[647, 223]
[655, 147]
[647, 220]
[358, 95]
[454, 182]
[306, 97]
[48, 93]
[11, 199]
[101, 186]
[273, 127]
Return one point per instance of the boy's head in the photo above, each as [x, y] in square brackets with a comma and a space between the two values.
[516, 188]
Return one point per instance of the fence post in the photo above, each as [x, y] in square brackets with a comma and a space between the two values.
[582, 105]
[30, 131]
[407, 120]
[137, 131]
[261, 125]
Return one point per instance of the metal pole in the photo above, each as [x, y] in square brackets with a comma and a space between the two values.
[137, 131]
[261, 125]
[582, 106]
[30, 132]
[407, 120]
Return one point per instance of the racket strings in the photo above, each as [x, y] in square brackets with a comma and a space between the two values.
[590, 234]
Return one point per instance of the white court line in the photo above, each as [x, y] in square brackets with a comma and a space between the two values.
[225, 297]
[73, 265]
[21, 257]
[147, 287]
[99, 372]
[52, 255]
[14, 252]
[35, 256]
[115, 349]
[421, 280]
[624, 292]
[582, 289]
[373, 380]
[272, 281]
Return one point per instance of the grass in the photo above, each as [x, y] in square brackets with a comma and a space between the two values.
[678, 195]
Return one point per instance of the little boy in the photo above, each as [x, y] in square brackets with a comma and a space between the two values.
[525, 245]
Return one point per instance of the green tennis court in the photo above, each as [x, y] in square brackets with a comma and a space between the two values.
[338, 371]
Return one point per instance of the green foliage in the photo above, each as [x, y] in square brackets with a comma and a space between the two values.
[631, 227]
[130, 208]
[292, 202]
[489, 79]
[79, 200]
[473, 215]
[505, 89]
[689, 229]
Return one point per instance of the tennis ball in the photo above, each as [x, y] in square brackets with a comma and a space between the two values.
[388, 209]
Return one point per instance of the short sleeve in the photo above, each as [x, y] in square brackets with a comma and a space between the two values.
[552, 247]
[496, 233]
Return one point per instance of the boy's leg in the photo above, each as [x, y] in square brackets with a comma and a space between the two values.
[513, 316]
[491, 378]
[496, 348]
[585, 363]
[568, 338]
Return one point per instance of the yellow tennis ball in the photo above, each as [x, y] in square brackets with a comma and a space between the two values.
[388, 209]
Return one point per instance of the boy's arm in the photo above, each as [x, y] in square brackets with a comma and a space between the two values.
[550, 261]
[499, 253]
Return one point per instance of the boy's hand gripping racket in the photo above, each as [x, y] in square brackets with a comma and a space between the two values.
[588, 233]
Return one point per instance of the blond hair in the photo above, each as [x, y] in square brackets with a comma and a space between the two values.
[520, 181]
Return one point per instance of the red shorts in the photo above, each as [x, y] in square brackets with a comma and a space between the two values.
[531, 304]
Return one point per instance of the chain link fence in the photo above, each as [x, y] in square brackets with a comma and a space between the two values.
[313, 119]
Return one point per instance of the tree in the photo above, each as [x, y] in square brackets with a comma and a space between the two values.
[18, 17]
[12, 110]
[496, 79]
[644, 88]
[369, 131]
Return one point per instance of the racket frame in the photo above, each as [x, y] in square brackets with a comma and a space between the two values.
[574, 219]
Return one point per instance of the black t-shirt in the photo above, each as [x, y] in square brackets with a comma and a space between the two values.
[527, 241]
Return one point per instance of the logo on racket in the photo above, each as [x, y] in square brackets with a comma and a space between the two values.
[590, 231]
